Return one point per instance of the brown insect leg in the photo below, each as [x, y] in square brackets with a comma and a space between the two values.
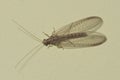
[53, 30]
[71, 43]
[46, 34]
[70, 28]
[60, 46]
[49, 46]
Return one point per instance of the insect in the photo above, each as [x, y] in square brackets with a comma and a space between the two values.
[78, 34]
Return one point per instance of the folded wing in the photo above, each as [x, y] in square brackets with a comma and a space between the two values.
[93, 39]
[90, 24]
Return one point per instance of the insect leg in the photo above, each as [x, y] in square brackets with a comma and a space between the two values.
[46, 34]
[50, 46]
[71, 43]
[70, 28]
[53, 30]
[60, 46]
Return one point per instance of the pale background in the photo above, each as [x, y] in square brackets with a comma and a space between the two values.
[95, 63]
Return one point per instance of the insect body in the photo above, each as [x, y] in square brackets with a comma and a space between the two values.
[81, 33]
[56, 40]
[78, 34]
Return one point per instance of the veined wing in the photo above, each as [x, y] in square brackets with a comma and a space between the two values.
[92, 39]
[90, 24]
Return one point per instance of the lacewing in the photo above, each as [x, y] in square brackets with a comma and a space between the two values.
[81, 33]
[78, 34]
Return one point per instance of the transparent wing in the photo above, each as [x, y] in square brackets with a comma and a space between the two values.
[87, 24]
[93, 39]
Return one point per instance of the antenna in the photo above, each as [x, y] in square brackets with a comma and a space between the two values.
[27, 32]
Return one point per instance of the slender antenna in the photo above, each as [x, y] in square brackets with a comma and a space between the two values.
[21, 64]
[27, 32]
